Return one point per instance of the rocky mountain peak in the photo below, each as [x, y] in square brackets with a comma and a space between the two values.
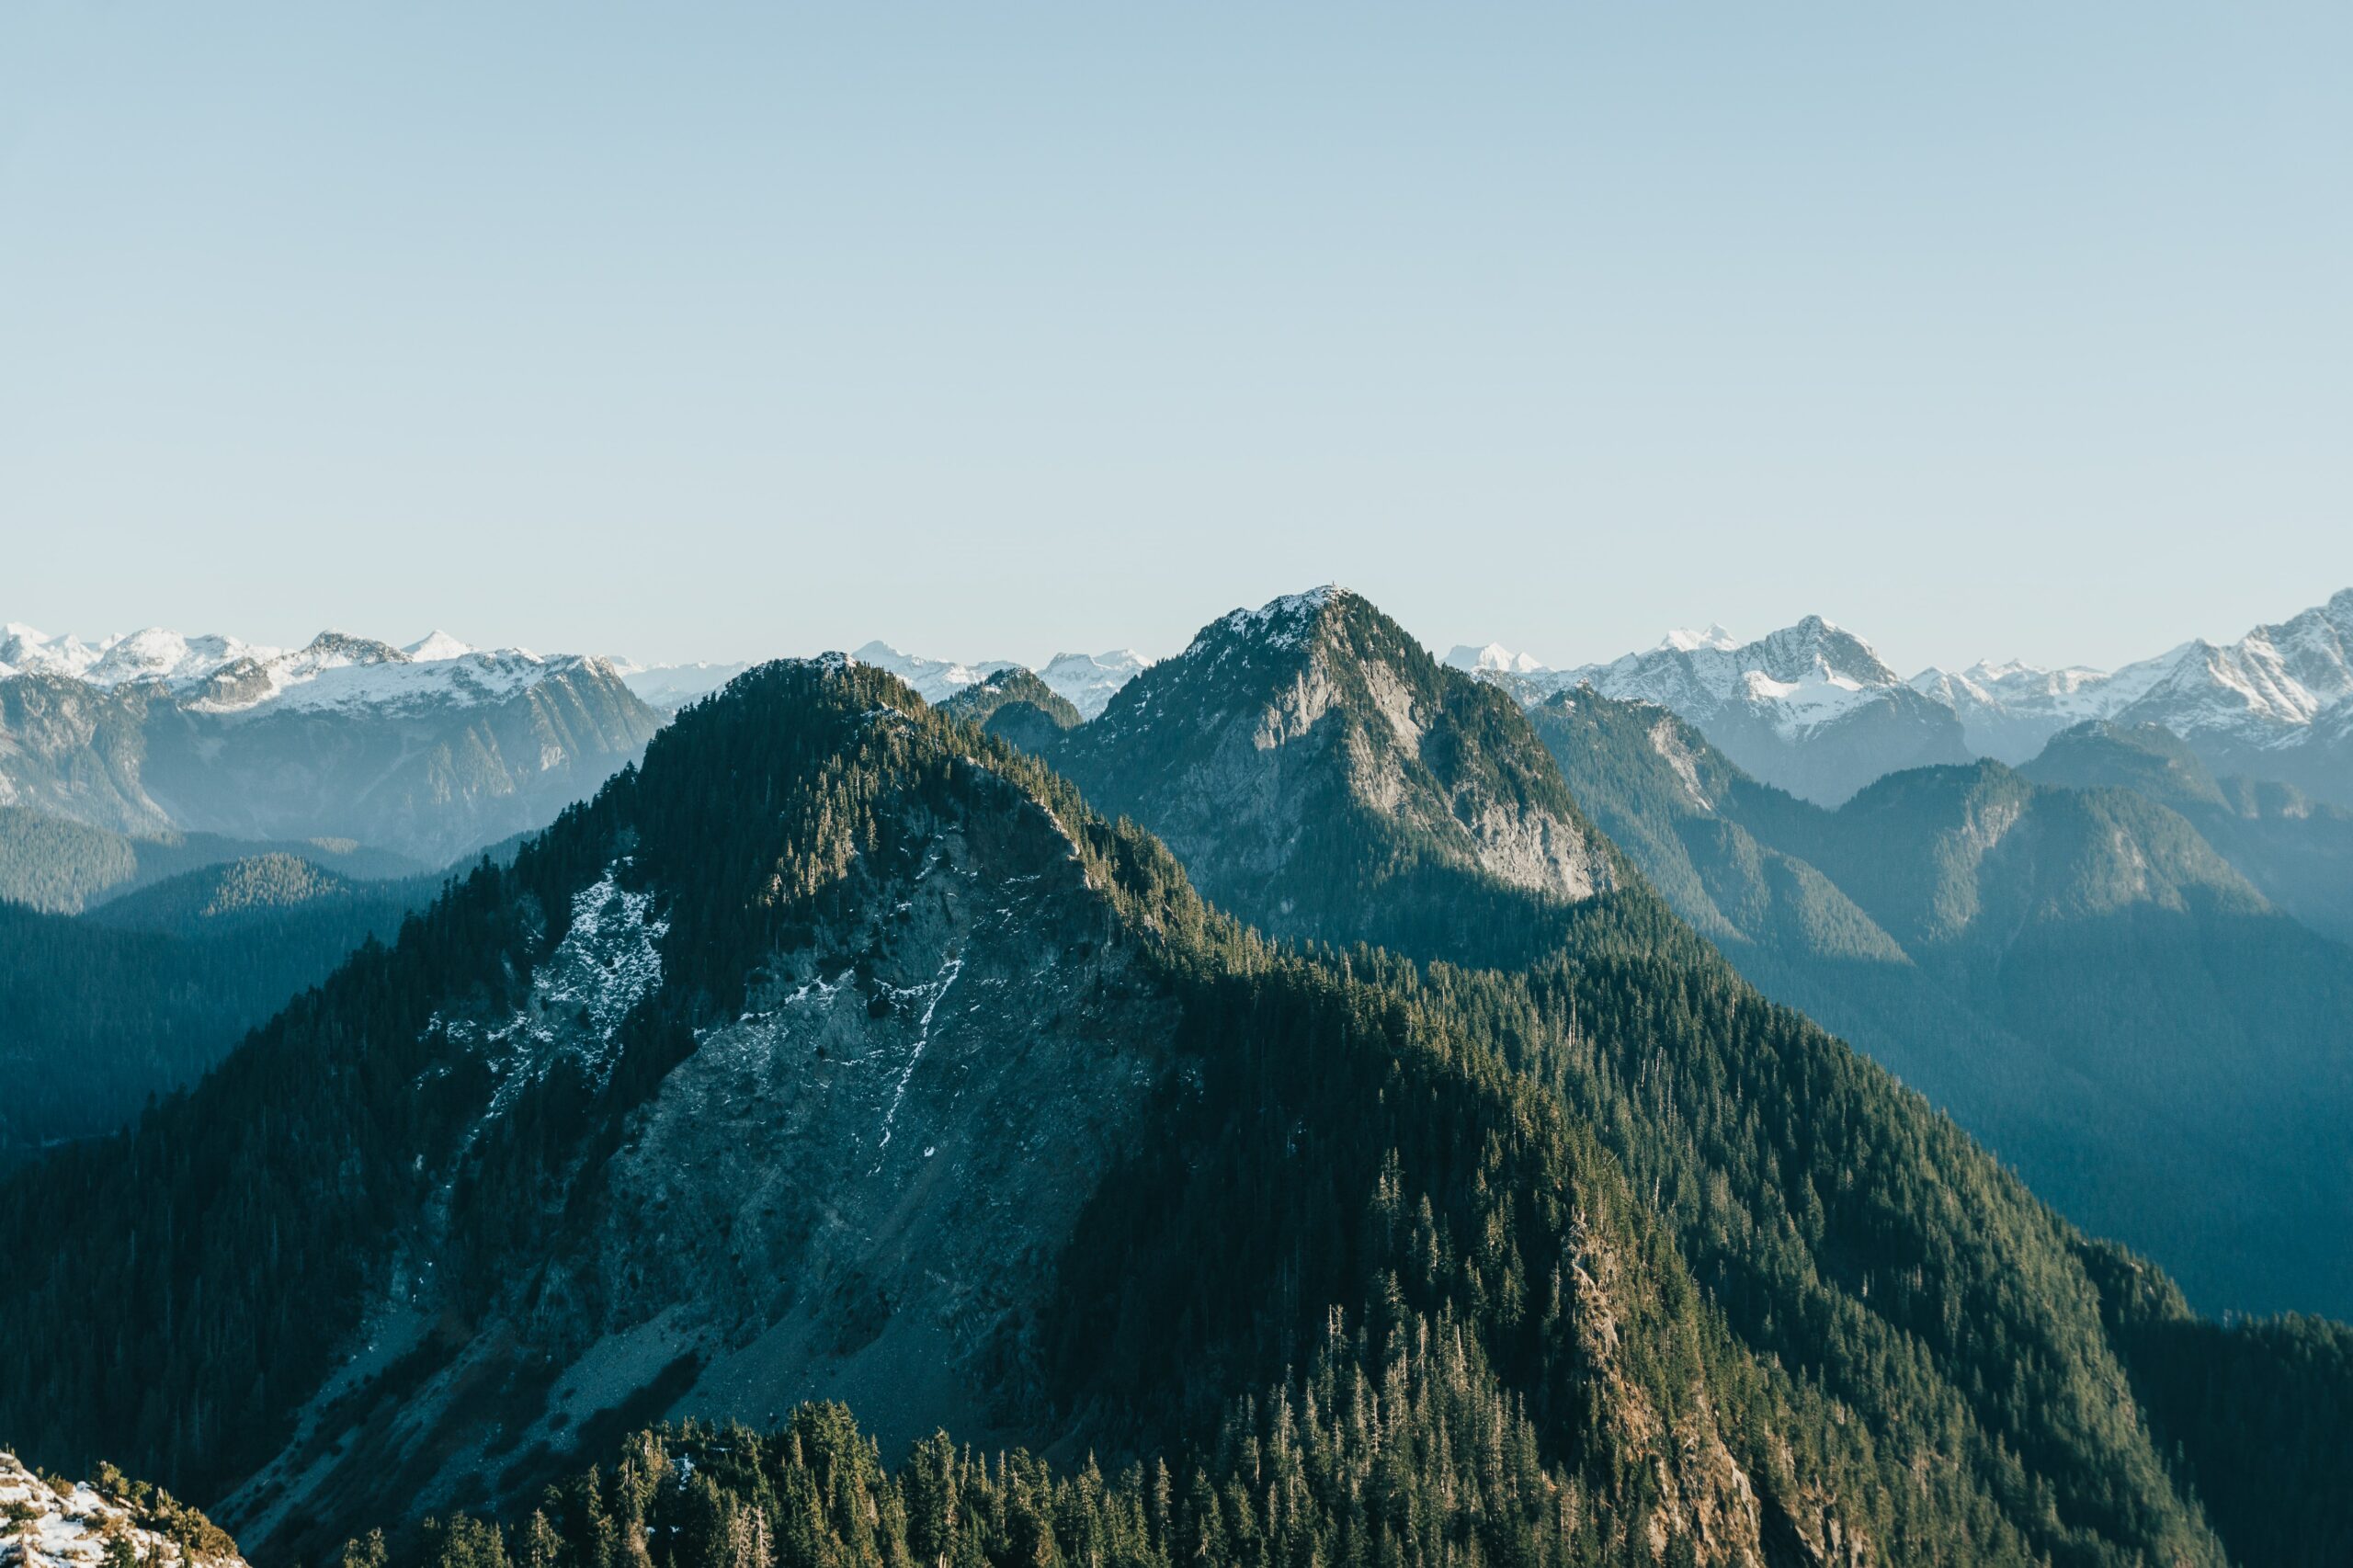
[1815, 647]
[1287, 743]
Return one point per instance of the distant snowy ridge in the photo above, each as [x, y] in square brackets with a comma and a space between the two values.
[2266, 692]
[1811, 708]
[935, 680]
[2277, 704]
[1494, 656]
[1800, 677]
[222, 675]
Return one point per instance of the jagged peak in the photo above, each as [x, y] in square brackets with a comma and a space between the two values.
[1282, 618]
[1814, 645]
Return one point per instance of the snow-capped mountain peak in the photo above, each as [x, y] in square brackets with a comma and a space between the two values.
[217, 675]
[2240, 702]
[1814, 647]
[434, 647]
[152, 653]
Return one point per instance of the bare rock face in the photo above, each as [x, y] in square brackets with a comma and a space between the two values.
[106, 1522]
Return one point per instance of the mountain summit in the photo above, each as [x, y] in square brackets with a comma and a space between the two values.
[1287, 740]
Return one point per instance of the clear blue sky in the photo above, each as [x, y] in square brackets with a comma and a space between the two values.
[994, 329]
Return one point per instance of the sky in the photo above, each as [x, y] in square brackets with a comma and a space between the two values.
[710, 331]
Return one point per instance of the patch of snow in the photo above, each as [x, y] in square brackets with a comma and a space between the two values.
[76, 1527]
[938, 989]
[610, 960]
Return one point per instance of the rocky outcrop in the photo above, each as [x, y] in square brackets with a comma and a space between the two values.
[106, 1522]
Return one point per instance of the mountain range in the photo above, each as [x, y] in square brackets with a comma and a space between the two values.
[429, 751]
[842, 1051]
[2067, 966]
[1813, 710]
[1347, 1101]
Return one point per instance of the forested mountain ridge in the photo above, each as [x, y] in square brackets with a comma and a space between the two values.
[1016, 706]
[704, 1101]
[2076, 975]
[1701, 1091]
[144, 994]
[65, 866]
[2297, 851]
[812, 1056]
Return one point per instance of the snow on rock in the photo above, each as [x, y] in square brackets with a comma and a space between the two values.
[610, 960]
[1279, 623]
[150, 654]
[1683, 639]
[94, 1524]
[334, 669]
[2261, 693]
[1795, 679]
